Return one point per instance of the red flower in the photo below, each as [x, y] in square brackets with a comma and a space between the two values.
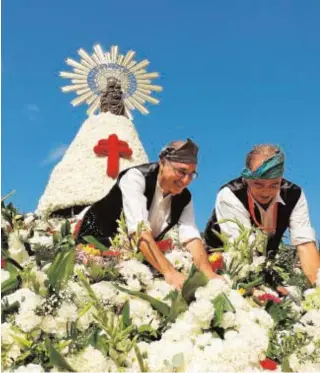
[165, 245]
[216, 261]
[268, 364]
[3, 263]
[110, 253]
[271, 297]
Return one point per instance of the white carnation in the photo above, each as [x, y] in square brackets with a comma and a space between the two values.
[159, 289]
[57, 324]
[133, 269]
[203, 312]
[228, 320]
[181, 260]
[28, 299]
[27, 320]
[105, 291]
[311, 322]
[142, 313]
[91, 360]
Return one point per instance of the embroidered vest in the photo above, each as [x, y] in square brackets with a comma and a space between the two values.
[290, 194]
[101, 219]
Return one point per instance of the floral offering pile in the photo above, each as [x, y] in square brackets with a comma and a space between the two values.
[89, 308]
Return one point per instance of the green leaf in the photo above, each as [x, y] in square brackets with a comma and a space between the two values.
[178, 305]
[86, 284]
[285, 366]
[85, 309]
[139, 357]
[10, 285]
[276, 311]
[21, 341]
[195, 280]
[161, 307]
[57, 359]
[126, 314]
[145, 328]
[61, 269]
[98, 245]
[221, 304]
[65, 228]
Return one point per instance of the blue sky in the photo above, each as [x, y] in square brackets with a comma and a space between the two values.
[235, 74]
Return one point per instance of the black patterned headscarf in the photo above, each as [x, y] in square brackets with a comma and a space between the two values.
[187, 153]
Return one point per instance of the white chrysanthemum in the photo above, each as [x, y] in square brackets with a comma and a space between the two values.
[161, 354]
[238, 301]
[311, 322]
[133, 269]
[7, 332]
[5, 275]
[104, 290]
[213, 288]
[27, 320]
[203, 312]
[186, 327]
[57, 324]
[142, 313]
[181, 260]
[294, 291]
[203, 340]
[298, 365]
[159, 289]
[133, 284]
[30, 368]
[27, 299]
[228, 320]
[262, 317]
[91, 360]
[80, 293]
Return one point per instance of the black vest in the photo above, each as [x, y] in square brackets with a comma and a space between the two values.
[100, 220]
[289, 192]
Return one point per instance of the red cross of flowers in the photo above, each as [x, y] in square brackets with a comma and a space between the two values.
[114, 149]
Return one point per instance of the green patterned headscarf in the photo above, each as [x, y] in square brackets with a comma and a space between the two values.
[271, 168]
